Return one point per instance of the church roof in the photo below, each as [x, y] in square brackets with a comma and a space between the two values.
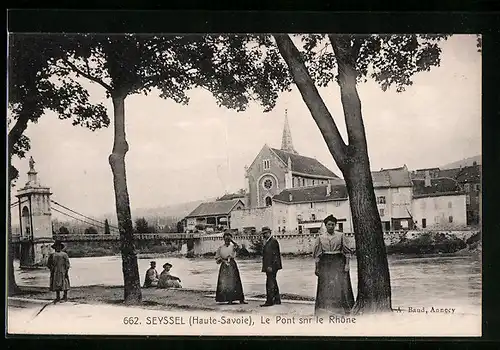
[304, 165]
[439, 187]
[396, 177]
[311, 194]
[214, 208]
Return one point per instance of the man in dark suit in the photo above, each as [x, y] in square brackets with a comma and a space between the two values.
[271, 263]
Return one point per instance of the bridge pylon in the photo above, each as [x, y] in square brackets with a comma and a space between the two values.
[34, 222]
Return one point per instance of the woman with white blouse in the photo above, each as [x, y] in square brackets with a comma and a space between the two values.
[229, 287]
[334, 292]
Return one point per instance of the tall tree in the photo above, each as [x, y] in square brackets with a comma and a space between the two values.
[106, 227]
[391, 60]
[134, 64]
[141, 226]
[31, 92]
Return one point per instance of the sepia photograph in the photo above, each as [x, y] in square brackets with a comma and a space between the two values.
[244, 184]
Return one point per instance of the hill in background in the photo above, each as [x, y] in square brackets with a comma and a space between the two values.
[462, 163]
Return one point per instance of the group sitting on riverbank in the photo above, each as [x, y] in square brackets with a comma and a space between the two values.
[164, 280]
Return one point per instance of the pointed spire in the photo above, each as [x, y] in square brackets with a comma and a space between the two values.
[286, 141]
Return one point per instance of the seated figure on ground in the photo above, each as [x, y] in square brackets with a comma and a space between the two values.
[151, 279]
[167, 280]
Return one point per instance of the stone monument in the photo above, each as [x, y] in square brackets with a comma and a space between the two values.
[34, 221]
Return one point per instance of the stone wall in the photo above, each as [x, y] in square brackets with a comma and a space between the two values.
[304, 243]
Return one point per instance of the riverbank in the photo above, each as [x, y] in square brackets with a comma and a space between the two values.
[168, 299]
[98, 310]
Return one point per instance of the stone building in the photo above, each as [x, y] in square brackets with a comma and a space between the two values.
[214, 215]
[274, 170]
[469, 180]
[393, 192]
[438, 203]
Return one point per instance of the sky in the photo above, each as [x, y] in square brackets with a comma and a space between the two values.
[183, 153]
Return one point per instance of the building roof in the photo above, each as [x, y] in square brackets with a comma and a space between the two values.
[214, 208]
[439, 187]
[469, 174]
[229, 196]
[304, 165]
[396, 177]
[311, 194]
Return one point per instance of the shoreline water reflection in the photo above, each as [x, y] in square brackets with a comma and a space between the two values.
[452, 281]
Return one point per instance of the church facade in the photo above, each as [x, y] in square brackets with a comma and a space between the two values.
[275, 170]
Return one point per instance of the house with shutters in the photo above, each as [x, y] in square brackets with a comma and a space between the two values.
[438, 203]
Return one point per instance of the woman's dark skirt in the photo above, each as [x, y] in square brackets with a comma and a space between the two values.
[334, 294]
[229, 287]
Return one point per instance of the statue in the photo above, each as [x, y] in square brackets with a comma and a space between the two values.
[32, 164]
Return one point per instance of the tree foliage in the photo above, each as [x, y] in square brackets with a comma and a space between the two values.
[91, 231]
[390, 60]
[32, 91]
[63, 230]
[236, 69]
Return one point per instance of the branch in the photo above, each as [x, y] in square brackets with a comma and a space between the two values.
[312, 98]
[88, 76]
[87, 65]
[356, 47]
[17, 131]
[351, 103]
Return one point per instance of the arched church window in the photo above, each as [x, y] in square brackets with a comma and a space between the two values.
[269, 201]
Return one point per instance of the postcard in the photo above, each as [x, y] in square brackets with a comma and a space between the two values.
[249, 184]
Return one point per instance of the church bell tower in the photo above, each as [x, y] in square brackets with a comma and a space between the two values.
[286, 141]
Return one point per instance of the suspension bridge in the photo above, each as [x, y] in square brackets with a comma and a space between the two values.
[98, 225]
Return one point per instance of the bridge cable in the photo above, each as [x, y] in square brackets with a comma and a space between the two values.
[78, 219]
[87, 217]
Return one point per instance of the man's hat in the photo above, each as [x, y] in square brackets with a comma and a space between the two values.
[266, 229]
[152, 262]
[330, 218]
[57, 244]
[228, 233]
[167, 264]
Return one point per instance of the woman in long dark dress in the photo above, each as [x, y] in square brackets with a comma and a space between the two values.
[334, 293]
[229, 287]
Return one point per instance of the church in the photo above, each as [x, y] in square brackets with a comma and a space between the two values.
[274, 170]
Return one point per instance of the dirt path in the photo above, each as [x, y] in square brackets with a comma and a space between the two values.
[169, 299]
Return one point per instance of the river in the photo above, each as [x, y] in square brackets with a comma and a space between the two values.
[451, 281]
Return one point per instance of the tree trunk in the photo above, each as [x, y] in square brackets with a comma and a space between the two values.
[13, 137]
[374, 291]
[374, 288]
[132, 287]
[13, 288]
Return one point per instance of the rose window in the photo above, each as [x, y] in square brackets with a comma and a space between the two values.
[268, 184]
